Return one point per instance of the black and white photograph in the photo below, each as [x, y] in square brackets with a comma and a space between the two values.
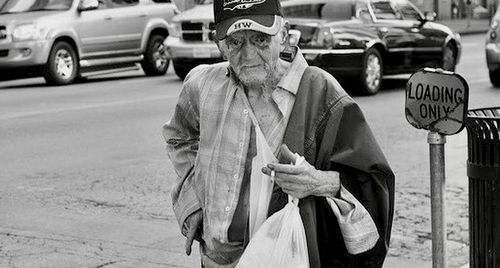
[250, 133]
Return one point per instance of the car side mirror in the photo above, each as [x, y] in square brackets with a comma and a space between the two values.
[429, 16]
[88, 5]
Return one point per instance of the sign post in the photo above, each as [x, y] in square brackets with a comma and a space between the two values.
[437, 101]
[437, 163]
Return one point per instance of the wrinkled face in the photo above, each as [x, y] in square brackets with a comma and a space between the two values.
[252, 55]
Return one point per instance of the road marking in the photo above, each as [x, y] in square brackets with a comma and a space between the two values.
[85, 107]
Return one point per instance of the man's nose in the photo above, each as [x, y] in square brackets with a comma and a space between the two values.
[248, 51]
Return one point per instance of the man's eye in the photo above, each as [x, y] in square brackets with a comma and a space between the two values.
[234, 42]
[261, 41]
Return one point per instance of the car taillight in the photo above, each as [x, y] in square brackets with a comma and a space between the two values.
[324, 37]
[493, 30]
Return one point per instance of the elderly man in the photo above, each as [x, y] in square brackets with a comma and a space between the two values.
[229, 114]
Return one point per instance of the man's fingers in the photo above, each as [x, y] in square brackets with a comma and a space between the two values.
[189, 239]
[284, 168]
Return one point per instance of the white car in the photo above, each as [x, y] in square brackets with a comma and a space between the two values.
[62, 40]
[190, 42]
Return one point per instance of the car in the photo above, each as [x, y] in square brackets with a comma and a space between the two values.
[190, 42]
[361, 39]
[64, 40]
[492, 48]
[364, 40]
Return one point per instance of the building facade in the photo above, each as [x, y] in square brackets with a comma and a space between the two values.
[455, 9]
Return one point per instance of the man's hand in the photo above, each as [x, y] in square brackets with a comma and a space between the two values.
[192, 229]
[303, 180]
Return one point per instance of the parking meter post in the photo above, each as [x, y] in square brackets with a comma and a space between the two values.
[437, 171]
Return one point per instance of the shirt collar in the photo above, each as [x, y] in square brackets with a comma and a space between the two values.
[291, 80]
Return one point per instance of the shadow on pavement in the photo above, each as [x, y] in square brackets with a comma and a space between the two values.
[40, 83]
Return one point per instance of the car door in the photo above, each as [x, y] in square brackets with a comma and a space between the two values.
[398, 34]
[429, 41]
[93, 27]
[128, 23]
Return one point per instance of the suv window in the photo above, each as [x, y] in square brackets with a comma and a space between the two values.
[383, 10]
[124, 3]
[14, 6]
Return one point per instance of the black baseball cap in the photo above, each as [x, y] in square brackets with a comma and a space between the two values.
[237, 15]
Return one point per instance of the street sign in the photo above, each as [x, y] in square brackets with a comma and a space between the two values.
[437, 101]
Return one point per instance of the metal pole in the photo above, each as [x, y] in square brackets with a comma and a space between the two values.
[437, 168]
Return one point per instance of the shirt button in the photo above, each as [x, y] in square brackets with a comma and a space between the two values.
[245, 111]
[228, 208]
[235, 176]
[241, 144]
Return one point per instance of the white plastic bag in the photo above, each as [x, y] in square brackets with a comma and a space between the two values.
[279, 243]
[261, 185]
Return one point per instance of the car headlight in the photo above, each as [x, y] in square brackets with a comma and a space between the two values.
[494, 25]
[174, 29]
[324, 38]
[493, 30]
[29, 32]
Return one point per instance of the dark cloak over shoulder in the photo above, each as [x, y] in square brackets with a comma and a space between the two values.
[328, 128]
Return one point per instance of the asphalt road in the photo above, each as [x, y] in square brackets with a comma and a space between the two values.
[85, 180]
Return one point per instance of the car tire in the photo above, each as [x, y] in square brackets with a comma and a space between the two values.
[62, 66]
[371, 75]
[181, 70]
[449, 58]
[155, 58]
[495, 78]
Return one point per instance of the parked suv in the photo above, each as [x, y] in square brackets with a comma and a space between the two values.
[63, 40]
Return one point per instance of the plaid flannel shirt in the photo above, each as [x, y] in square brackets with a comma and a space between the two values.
[207, 140]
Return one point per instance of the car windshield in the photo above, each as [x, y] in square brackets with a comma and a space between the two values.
[329, 10]
[17, 6]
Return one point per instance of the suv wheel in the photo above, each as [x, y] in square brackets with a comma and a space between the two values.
[495, 78]
[62, 66]
[181, 70]
[449, 59]
[155, 58]
[371, 75]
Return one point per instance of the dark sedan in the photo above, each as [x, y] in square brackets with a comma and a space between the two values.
[362, 40]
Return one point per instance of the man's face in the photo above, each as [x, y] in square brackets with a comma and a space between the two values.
[252, 55]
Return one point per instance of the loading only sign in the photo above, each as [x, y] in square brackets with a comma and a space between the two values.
[437, 100]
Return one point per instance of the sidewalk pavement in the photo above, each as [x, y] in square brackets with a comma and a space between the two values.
[464, 26]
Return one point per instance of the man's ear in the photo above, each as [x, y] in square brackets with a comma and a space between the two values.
[220, 45]
[284, 33]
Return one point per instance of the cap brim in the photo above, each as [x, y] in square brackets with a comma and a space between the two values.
[268, 24]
